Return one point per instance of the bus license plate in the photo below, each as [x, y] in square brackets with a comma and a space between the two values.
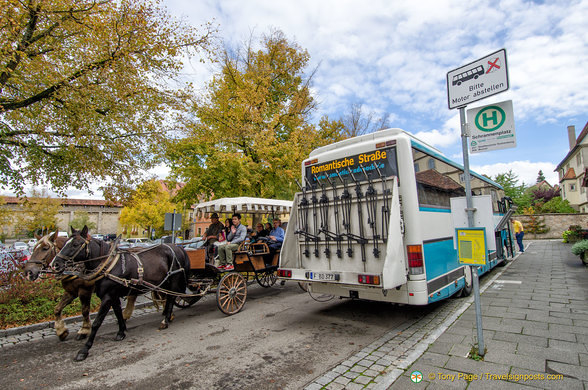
[324, 276]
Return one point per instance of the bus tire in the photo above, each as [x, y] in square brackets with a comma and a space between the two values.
[469, 282]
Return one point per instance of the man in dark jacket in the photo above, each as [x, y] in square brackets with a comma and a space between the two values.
[211, 235]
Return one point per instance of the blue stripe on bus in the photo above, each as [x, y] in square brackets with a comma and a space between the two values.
[440, 258]
[434, 210]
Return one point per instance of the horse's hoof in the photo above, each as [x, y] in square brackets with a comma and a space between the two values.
[81, 356]
[63, 336]
[81, 336]
[120, 337]
[162, 326]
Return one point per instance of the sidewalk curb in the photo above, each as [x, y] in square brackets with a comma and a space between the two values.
[50, 324]
[387, 380]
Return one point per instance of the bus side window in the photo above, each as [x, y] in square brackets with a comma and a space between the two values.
[437, 184]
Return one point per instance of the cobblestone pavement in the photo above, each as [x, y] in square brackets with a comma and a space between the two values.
[23, 334]
[535, 321]
[379, 364]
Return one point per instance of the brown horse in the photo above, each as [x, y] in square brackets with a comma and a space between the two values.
[162, 268]
[43, 254]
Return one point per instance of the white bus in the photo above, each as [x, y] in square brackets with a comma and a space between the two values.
[374, 221]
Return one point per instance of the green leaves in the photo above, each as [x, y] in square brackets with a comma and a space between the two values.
[84, 93]
[251, 130]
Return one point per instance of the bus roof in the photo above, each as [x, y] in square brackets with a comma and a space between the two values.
[394, 132]
[375, 136]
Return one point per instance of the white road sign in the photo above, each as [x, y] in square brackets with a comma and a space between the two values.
[492, 127]
[477, 80]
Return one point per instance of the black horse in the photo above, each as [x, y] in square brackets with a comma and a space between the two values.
[122, 272]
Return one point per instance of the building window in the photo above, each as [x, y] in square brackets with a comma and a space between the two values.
[199, 231]
[431, 164]
[579, 159]
[572, 187]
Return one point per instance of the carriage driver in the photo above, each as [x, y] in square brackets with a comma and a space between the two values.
[211, 235]
[236, 236]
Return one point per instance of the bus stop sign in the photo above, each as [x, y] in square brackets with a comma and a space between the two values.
[477, 80]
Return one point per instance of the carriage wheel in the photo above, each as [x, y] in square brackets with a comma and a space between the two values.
[231, 293]
[266, 278]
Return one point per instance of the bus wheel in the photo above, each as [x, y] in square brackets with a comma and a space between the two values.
[469, 282]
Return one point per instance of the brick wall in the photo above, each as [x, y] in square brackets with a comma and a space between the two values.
[557, 223]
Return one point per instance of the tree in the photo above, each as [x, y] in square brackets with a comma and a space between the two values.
[5, 212]
[509, 181]
[557, 205]
[38, 212]
[84, 88]
[251, 130]
[357, 122]
[535, 225]
[147, 208]
[540, 176]
[81, 219]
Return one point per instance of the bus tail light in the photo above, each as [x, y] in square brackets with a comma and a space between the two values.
[284, 273]
[368, 279]
[415, 259]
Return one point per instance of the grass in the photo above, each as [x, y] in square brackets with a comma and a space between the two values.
[23, 302]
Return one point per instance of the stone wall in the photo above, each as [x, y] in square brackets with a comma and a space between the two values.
[557, 223]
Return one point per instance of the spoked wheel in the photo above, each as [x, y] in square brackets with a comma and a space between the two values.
[231, 293]
[266, 278]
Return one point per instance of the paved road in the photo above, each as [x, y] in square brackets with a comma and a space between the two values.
[281, 340]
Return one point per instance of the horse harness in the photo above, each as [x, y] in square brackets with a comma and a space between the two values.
[103, 270]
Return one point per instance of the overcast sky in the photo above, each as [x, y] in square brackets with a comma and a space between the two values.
[393, 57]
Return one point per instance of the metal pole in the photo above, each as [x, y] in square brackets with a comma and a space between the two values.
[174, 227]
[470, 212]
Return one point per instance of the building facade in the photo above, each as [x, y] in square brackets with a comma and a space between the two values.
[572, 170]
[105, 215]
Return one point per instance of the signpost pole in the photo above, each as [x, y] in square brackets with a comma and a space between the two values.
[174, 227]
[470, 212]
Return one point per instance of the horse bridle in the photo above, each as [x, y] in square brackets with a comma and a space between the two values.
[44, 263]
[69, 260]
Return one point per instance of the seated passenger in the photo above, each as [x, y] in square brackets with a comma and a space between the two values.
[258, 233]
[276, 238]
[211, 235]
[235, 237]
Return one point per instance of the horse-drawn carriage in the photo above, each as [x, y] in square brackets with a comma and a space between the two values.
[252, 261]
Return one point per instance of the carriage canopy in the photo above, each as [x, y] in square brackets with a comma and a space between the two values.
[244, 205]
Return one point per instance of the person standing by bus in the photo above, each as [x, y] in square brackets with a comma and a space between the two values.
[519, 233]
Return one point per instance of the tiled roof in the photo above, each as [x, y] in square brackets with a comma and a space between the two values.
[69, 202]
[433, 178]
[583, 134]
[570, 174]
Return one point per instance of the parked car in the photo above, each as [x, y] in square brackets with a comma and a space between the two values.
[141, 242]
[195, 245]
[98, 236]
[19, 245]
[32, 242]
